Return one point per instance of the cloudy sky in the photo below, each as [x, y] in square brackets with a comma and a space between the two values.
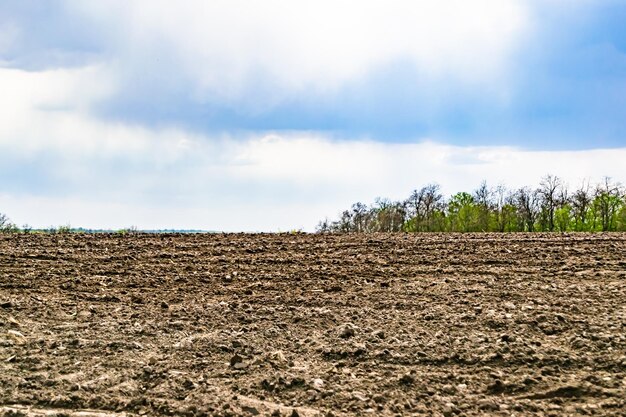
[271, 115]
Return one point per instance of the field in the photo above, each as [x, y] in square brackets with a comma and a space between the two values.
[306, 325]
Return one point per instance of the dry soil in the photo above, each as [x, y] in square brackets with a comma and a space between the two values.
[307, 325]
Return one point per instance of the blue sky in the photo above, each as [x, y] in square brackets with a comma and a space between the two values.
[186, 115]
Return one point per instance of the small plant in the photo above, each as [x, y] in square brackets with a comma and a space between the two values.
[65, 229]
[128, 230]
[3, 220]
[10, 228]
[26, 228]
[6, 226]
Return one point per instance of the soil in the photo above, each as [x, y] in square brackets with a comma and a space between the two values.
[308, 325]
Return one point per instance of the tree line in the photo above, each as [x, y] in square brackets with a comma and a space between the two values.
[7, 226]
[550, 207]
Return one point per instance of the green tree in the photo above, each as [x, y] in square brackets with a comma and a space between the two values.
[547, 208]
[504, 210]
[607, 203]
[563, 218]
[483, 198]
[463, 213]
[621, 218]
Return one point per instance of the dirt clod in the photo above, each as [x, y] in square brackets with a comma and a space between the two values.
[347, 330]
[407, 379]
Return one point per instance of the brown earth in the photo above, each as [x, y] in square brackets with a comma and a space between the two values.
[306, 325]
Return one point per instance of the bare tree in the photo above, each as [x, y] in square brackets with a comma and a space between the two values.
[6, 226]
[527, 208]
[390, 216]
[415, 205]
[359, 217]
[563, 197]
[433, 202]
[483, 200]
[504, 208]
[581, 203]
[4, 220]
[548, 191]
[422, 206]
[345, 222]
[324, 226]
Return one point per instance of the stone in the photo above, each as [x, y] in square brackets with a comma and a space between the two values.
[379, 399]
[251, 410]
[237, 362]
[487, 405]
[449, 409]
[448, 389]
[509, 306]
[317, 383]
[407, 379]
[359, 396]
[347, 330]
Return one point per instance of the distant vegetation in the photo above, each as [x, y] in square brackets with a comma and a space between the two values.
[6, 226]
[550, 207]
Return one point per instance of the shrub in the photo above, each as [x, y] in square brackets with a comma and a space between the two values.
[64, 229]
[6, 226]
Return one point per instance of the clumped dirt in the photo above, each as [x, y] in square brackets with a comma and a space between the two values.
[307, 325]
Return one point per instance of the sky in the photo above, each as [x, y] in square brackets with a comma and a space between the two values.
[234, 115]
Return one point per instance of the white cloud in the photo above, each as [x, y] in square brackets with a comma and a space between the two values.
[364, 170]
[262, 182]
[35, 104]
[104, 174]
[280, 183]
[224, 47]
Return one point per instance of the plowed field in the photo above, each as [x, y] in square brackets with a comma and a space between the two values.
[307, 325]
